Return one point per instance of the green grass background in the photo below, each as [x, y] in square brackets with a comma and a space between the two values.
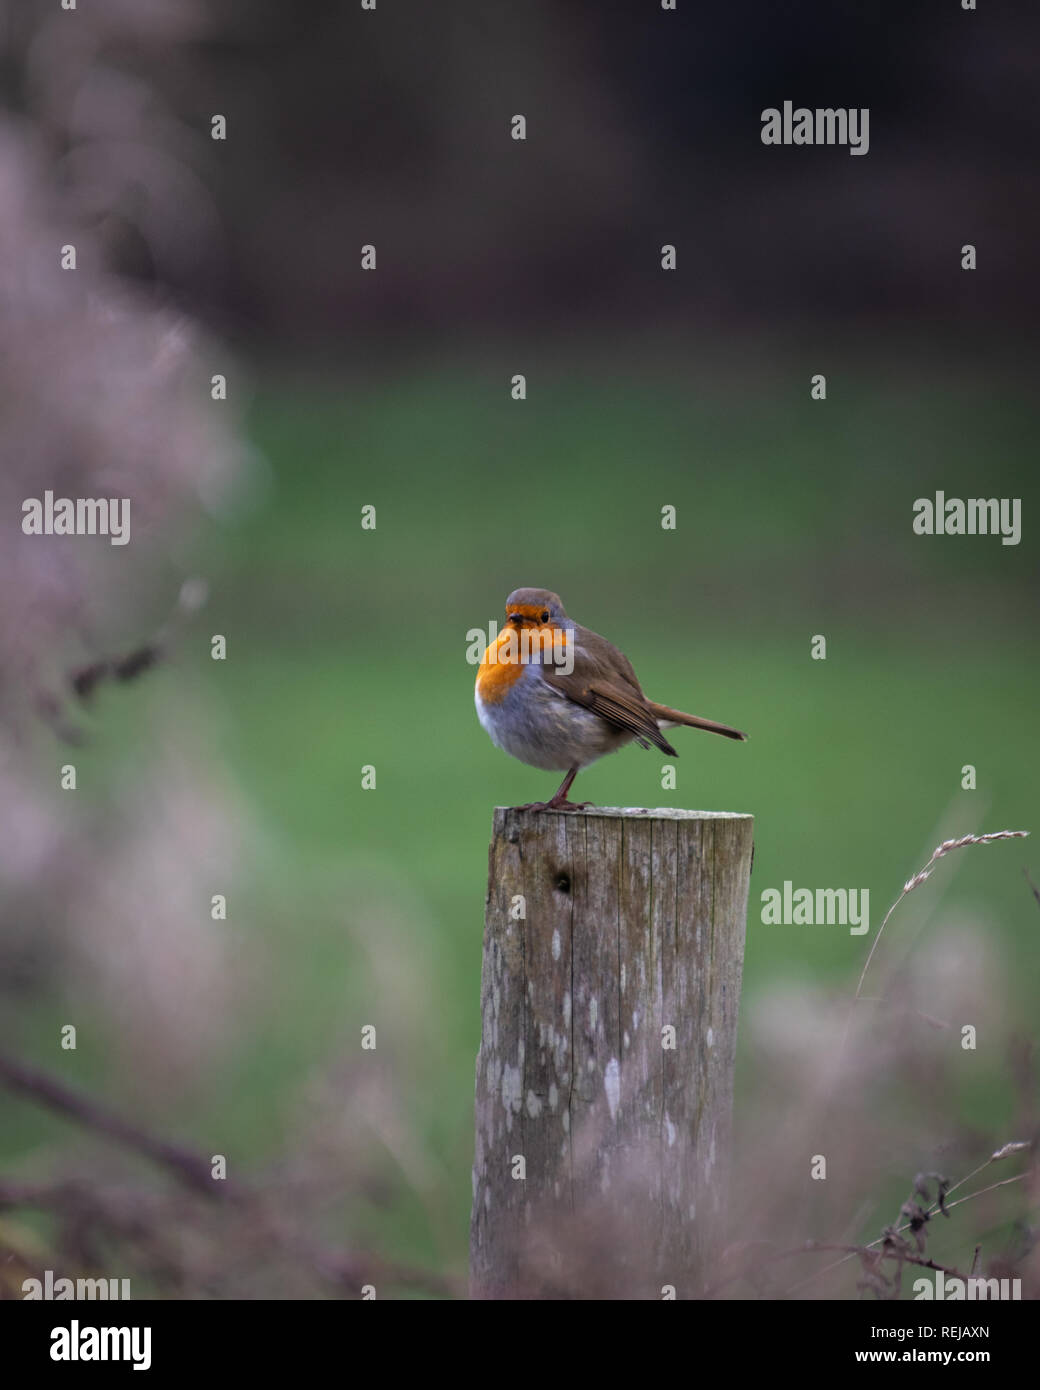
[347, 647]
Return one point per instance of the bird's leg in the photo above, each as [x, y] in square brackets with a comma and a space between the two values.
[559, 801]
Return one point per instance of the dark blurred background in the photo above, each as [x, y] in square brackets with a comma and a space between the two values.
[347, 126]
[346, 647]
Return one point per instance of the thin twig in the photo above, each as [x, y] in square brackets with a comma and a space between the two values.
[930, 1019]
[949, 1206]
[853, 1250]
[940, 852]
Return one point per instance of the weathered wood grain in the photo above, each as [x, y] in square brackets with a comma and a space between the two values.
[601, 1152]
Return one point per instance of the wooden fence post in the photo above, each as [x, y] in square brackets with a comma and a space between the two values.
[613, 950]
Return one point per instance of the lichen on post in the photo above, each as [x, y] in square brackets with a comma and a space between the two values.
[613, 952]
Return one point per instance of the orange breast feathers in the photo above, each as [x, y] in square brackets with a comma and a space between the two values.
[511, 651]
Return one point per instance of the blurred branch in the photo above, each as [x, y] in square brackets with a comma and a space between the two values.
[84, 680]
[55, 1095]
[1036, 891]
[129, 1212]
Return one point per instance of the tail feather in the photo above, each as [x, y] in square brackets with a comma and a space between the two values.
[676, 716]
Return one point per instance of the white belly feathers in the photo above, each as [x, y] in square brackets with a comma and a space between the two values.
[540, 726]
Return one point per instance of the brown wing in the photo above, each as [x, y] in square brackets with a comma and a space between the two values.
[604, 682]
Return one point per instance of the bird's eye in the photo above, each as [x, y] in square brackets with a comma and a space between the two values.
[545, 615]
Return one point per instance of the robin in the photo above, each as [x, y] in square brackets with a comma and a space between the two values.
[558, 696]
